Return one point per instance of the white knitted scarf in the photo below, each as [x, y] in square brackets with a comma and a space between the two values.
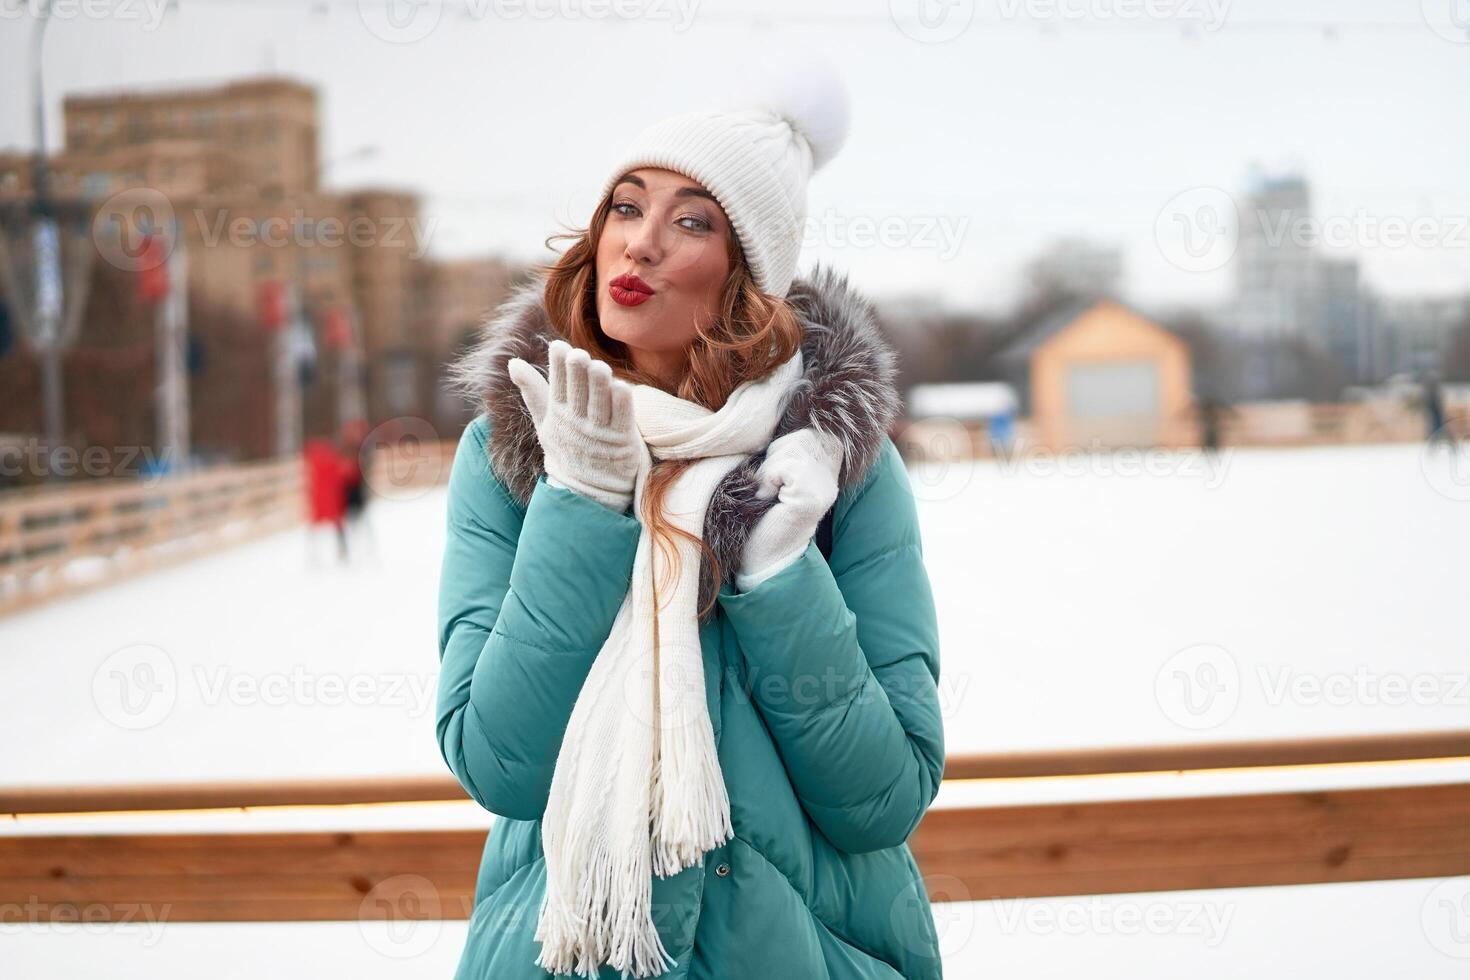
[637, 788]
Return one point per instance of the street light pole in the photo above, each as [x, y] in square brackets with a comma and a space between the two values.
[288, 379]
[293, 337]
[351, 399]
[46, 250]
[172, 339]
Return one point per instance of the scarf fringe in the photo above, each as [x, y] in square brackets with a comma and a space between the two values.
[600, 926]
[691, 807]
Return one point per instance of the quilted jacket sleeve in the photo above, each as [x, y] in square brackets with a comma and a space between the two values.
[844, 667]
[526, 599]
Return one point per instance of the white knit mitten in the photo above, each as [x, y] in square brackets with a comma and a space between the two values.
[584, 421]
[802, 467]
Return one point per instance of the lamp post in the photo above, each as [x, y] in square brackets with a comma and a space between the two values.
[165, 285]
[46, 250]
[295, 339]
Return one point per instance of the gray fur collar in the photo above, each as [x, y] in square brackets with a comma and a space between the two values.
[847, 389]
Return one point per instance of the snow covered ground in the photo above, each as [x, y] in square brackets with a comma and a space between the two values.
[1357, 932]
[1083, 601]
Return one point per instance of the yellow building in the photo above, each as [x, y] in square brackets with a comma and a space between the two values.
[1099, 375]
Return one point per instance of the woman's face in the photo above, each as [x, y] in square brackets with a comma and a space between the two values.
[670, 233]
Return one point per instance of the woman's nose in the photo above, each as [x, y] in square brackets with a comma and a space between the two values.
[644, 244]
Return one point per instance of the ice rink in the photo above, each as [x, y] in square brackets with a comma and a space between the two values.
[1084, 601]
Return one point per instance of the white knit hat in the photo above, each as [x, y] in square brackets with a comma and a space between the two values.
[756, 161]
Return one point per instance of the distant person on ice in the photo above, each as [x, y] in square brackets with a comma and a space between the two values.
[326, 495]
[1439, 431]
[354, 447]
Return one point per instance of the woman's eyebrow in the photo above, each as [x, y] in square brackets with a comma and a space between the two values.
[694, 192]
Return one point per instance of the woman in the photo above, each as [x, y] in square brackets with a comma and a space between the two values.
[688, 647]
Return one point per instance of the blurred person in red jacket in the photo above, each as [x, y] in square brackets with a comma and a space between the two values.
[355, 450]
[326, 491]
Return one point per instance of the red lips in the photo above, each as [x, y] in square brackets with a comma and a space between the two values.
[629, 290]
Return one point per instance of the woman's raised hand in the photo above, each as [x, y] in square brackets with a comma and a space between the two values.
[801, 470]
[584, 421]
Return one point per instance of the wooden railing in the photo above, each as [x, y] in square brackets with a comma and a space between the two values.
[966, 853]
[56, 542]
[1265, 424]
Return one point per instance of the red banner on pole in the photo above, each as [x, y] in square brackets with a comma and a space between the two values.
[153, 270]
[336, 327]
[271, 302]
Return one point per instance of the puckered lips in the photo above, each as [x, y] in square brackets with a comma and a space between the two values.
[629, 290]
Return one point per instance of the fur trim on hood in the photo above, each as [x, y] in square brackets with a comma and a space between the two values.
[847, 389]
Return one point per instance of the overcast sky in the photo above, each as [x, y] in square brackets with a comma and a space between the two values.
[980, 128]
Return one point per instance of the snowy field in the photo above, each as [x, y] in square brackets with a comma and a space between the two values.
[1083, 602]
[1333, 932]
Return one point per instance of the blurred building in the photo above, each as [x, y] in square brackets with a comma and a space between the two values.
[1275, 272]
[1348, 328]
[460, 295]
[1288, 293]
[1097, 374]
[1420, 330]
[238, 166]
[266, 127]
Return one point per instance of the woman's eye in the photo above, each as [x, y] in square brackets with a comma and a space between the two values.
[624, 204]
[700, 223]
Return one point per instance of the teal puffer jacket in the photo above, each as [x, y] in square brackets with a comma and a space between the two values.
[822, 688]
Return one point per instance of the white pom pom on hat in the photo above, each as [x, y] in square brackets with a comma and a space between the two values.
[812, 98]
[756, 161]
